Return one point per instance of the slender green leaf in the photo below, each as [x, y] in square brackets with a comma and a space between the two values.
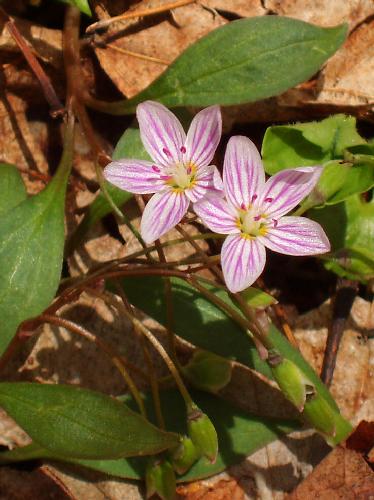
[75, 422]
[243, 61]
[12, 188]
[31, 247]
[203, 324]
[239, 435]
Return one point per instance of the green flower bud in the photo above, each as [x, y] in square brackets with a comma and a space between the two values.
[292, 382]
[320, 415]
[203, 434]
[184, 455]
[207, 371]
[160, 479]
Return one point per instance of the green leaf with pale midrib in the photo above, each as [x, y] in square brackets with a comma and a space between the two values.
[254, 58]
[74, 422]
[31, 247]
[240, 435]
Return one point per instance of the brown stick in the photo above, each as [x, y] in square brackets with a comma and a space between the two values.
[345, 295]
[104, 23]
[57, 108]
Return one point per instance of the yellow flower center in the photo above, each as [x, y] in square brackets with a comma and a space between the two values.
[182, 176]
[252, 223]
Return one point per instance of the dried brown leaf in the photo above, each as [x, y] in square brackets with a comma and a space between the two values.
[323, 12]
[342, 474]
[163, 37]
[225, 489]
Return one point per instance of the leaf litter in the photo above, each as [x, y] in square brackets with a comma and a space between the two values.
[279, 467]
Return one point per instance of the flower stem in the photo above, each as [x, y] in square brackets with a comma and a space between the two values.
[116, 360]
[166, 358]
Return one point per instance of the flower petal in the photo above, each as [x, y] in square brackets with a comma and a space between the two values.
[163, 211]
[243, 173]
[135, 176]
[161, 132]
[217, 215]
[286, 189]
[296, 236]
[207, 183]
[204, 135]
[243, 260]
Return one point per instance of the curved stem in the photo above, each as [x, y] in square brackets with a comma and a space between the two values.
[73, 327]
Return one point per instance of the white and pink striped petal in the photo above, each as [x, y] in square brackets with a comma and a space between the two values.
[217, 215]
[161, 133]
[243, 173]
[207, 183]
[203, 136]
[134, 176]
[286, 189]
[243, 260]
[296, 236]
[163, 211]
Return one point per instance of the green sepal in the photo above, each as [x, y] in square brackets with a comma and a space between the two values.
[208, 371]
[160, 479]
[203, 434]
[320, 415]
[184, 456]
[292, 382]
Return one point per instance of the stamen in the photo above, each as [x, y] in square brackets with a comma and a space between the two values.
[254, 197]
[257, 218]
[268, 200]
[243, 207]
[189, 170]
[166, 177]
[275, 223]
[166, 151]
[155, 169]
[183, 149]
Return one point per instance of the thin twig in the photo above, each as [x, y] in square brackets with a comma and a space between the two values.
[57, 108]
[344, 298]
[104, 23]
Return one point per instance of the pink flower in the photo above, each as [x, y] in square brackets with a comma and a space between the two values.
[180, 171]
[253, 214]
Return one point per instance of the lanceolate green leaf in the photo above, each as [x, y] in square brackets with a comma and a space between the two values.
[240, 435]
[243, 61]
[203, 324]
[31, 247]
[12, 188]
[74, 422]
